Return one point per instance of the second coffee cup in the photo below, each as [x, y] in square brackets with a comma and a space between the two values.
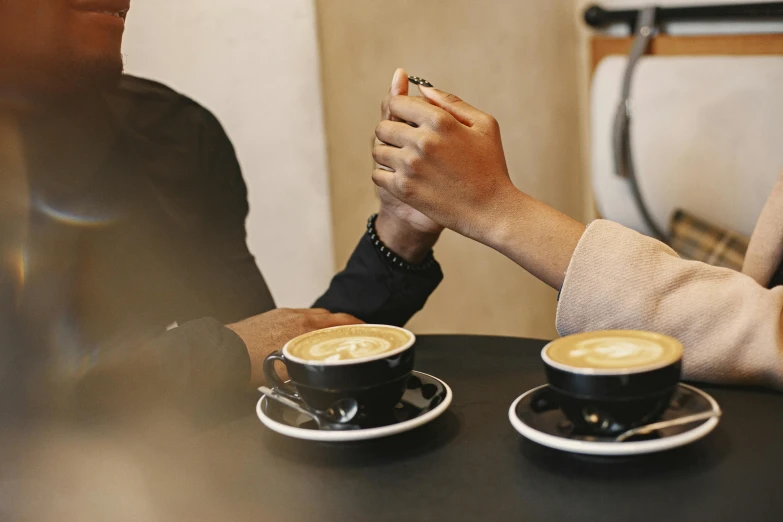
[607, 382]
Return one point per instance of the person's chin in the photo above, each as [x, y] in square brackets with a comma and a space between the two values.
[85, 73]
[99, 69]
[94, 58]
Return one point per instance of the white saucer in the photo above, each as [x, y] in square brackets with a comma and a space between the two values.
[542, 427]
[290, 423]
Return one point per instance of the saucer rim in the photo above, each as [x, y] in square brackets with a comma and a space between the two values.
[612, 449]
[360, 434]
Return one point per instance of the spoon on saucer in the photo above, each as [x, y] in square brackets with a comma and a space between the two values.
[336, 417]
[655, 426]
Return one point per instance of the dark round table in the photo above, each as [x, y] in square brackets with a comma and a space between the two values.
[470, 464]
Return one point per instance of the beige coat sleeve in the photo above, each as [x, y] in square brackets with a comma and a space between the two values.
[729, 324]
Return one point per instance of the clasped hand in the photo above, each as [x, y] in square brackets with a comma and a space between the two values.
[451, 166]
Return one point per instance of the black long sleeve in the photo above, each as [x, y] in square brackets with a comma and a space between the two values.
[375, 291]
[201, 368]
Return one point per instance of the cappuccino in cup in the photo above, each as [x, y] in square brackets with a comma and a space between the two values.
[348, 343]
[368, 363]
[610, 381]
[613, 352]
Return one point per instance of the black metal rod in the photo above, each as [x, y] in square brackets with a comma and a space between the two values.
[596, 16]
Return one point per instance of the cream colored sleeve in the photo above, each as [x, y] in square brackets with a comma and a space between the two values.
[729, 324]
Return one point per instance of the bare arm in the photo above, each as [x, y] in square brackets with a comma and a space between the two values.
[537, 237]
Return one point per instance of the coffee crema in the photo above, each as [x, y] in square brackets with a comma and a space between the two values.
[346, 343]
[614, 350]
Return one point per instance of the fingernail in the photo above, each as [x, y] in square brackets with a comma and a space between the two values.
[419, 81]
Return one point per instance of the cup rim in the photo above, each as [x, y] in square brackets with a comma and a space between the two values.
[613, 371]
[348, 362]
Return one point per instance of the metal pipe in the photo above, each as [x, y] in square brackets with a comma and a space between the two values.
[596, 16]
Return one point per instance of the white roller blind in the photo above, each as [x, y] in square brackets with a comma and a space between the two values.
[706, 137]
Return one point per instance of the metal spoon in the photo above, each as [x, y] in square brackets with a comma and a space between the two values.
[336, 417]
[649, 428]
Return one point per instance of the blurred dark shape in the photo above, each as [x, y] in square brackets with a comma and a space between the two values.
[122, 257]
[135, 224]
[122, 210]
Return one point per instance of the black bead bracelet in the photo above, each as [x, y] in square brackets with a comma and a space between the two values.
[389, 255]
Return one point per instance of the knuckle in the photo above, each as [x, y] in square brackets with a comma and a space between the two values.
[383, 128]
[428, 144]
[441, 122]
[391, 102]
[384, 177]
[415, 163]
[424, 144]
[405, 188]
[491, 122]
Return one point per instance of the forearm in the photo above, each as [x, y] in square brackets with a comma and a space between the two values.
[534, 235]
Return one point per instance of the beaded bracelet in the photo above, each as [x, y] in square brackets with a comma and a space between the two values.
[396, 260]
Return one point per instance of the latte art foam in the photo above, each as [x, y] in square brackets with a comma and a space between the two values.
[349, 348]
[614, 350]
[616, 353]
[347, 343]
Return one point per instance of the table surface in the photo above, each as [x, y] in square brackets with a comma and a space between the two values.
[470, 464]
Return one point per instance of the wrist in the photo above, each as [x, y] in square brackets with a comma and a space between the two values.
[500, 225]
[242, 332]
[404, 239]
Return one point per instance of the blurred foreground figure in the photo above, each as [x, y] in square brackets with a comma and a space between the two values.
[123, 255]
[123, 221]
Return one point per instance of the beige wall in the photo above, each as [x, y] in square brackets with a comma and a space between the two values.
[514, 59]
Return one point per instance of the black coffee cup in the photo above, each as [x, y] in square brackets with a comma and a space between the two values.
[607, 382]
[375, 382]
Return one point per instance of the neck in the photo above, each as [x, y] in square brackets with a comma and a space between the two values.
[32, 91]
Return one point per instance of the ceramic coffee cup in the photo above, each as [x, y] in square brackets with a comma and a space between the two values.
[368, 363]
[607, 382]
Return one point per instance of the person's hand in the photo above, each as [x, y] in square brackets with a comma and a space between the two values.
[265, 333]
[402, 228]
[451, 167]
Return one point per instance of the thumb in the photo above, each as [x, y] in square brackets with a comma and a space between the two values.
[463, 112]
[399, 85]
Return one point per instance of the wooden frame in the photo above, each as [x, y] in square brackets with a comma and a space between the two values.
[666, 45]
